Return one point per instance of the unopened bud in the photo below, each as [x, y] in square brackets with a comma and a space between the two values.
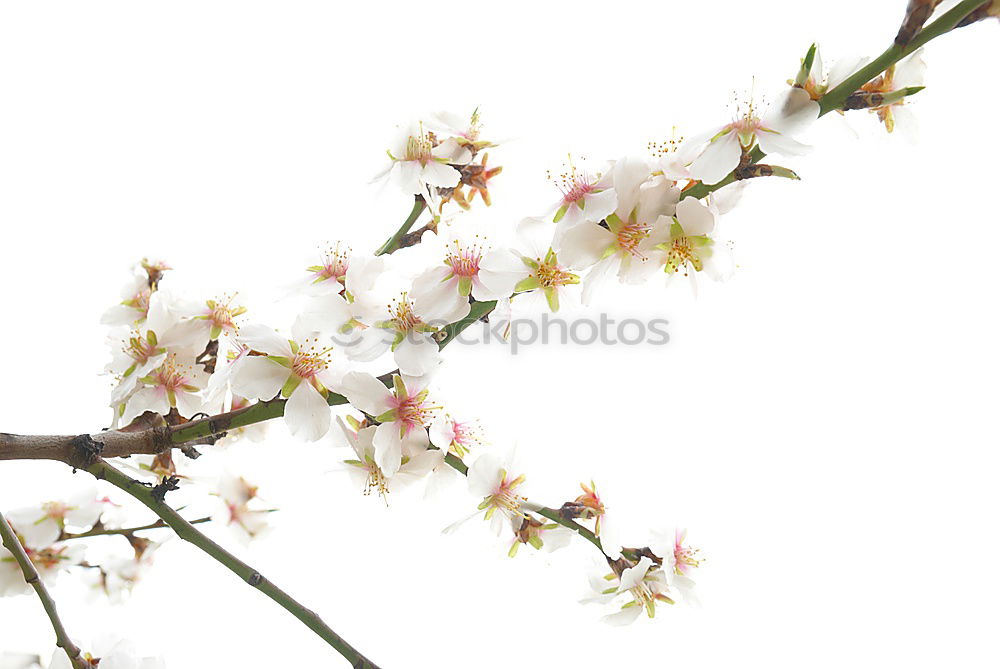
[917, 13]
[807, 63]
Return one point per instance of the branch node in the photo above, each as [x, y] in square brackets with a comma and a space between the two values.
[84, 451]
[255, 579]
[167, 484]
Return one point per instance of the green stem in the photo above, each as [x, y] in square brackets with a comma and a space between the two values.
[476, 312]
[187, 532]
[109, 532]
[391, 244]
[835, 97]
[31, 577]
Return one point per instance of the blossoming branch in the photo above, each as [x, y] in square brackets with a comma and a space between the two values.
[356, 368]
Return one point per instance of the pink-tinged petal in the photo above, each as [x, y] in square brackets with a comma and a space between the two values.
[366, 393]
[265, 340]
[695, 217]
[417, 354]
[442, 432]
[307, 414]
[388, 448]
[718, 159]
[441, 175]
[258, 378]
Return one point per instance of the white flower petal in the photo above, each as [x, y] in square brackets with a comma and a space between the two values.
[307, 414]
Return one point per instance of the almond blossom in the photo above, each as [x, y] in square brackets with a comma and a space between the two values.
[491, 478]
[41, 526]
[235, 495]
[298, 369]
[586, 195]
[403, 412]
[470, 267]
[714, 155]
[454, 436]
[540, 536]
[630, 244]
[891, 87]
[49, 562]
[644, 583]
[691, 247]
[416, 462]
[420, 164]
[407, 326]
[541, 273]
[175, 384]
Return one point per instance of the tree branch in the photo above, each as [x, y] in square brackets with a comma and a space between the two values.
[186, 531]
[31, 577]
[391, 244]
[835, 98]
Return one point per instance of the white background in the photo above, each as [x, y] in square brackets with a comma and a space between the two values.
[824, 423]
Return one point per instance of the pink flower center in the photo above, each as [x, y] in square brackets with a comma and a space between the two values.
[171, 376]
[403, 317]
[505, 497]
[334, 266]
[139, 349]
[413, 411]
[631, 235]
[464, 262]
[309, 360]
[685, 559]
[552, 275]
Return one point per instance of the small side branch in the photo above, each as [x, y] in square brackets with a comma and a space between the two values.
[31, 577]
[187, 532]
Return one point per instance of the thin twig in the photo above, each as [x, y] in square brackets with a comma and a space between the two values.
[31, 577]
[187, 532]
[101, 531]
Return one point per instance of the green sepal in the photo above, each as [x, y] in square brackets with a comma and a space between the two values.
[398, 386]
[552, 297]
[291, 383]
[560, 212]
[387, 417]
[465, 286]
[529, 283]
